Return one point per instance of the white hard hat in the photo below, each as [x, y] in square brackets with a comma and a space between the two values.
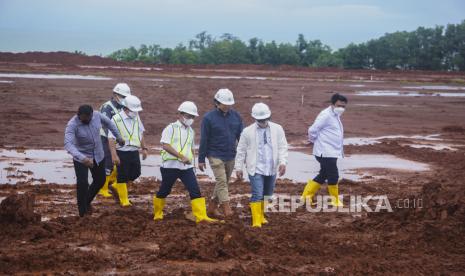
[122, 89]
[261, 111]
[132, 103]
[225, 96]
[189, 108]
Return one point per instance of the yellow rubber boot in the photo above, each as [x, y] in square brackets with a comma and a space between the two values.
[122, 191]
[256, 210]
[113, 175]
[333, 191]
[158, 204]
[104, 190]
[264, 221]
[200, 211]
[310, 190]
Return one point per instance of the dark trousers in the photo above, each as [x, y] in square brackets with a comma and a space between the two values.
[129, 168]
[328, 171]
[106, 150]
[86, 193]
[169, 177]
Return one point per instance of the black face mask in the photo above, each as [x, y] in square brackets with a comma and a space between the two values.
[86, 122]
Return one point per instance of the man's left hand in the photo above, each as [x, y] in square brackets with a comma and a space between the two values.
[144, 153]
[282, 169]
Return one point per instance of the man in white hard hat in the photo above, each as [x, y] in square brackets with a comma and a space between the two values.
[126, 158]
[263, 149]
[327, 136]
[110, 109]
[220, 131]
[177, 140]
[83, 143]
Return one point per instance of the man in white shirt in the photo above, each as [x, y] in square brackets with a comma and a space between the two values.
[263, 148]
[126, 157]
[177, 140]
[327, 136]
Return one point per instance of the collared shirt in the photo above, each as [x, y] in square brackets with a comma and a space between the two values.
[327, 134]
[166, 139]
[108, 111]
[129, 123]
[83, 140]
[265, 161]
[219, 135]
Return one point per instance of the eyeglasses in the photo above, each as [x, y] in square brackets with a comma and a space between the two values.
[187, 116]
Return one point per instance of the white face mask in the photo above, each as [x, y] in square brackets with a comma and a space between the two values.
[339, 110]
[132, 114]
[119, 100]
[263, 124]
[187, 122]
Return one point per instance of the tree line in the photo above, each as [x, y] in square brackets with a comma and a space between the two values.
[438, 48]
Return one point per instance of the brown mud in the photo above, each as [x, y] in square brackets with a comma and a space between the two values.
[40, 232]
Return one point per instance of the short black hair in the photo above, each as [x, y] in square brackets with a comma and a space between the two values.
[85, 109]
[338, 97]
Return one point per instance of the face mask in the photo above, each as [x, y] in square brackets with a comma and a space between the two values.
[86, 122]
[262, 123]
[339, 110]
[118, 100]
[187, 122]
[132, 114]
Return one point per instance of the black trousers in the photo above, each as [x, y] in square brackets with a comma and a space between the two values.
[106, 150]
[129, 168]
[169, 177]
[86, 193]
[328, 171]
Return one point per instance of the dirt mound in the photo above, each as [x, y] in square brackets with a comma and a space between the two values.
[459, 129]
[64, 58]
[18, 209]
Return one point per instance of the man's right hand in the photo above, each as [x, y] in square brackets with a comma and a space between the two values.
[88, 162]
[185, 160]
[116, 160]
[202, 167]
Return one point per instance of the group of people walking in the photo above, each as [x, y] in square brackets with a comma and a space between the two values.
[109, 144]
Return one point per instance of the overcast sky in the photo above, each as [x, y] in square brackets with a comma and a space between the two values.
[102, 26]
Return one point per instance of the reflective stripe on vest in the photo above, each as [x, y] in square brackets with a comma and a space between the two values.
[115, 110]
[132, 138]
[185, 150]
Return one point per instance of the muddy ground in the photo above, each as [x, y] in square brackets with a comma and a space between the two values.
[41, 234]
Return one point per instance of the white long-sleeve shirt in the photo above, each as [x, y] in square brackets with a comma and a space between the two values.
[247, 149]
[265, 163]
[327, 134]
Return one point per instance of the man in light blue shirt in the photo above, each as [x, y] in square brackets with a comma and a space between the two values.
[327, 136]
[82, 141]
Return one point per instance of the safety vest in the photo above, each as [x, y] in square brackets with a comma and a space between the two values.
[115, 110]
[132, 137]
[176, 143]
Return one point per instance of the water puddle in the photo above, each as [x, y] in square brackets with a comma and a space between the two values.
[55, 166]
[435, 87]
[52, 76]
[230, 77]
[415, 141]
[395, 93]
[6, 81]
[353, 167]
[122, 67]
